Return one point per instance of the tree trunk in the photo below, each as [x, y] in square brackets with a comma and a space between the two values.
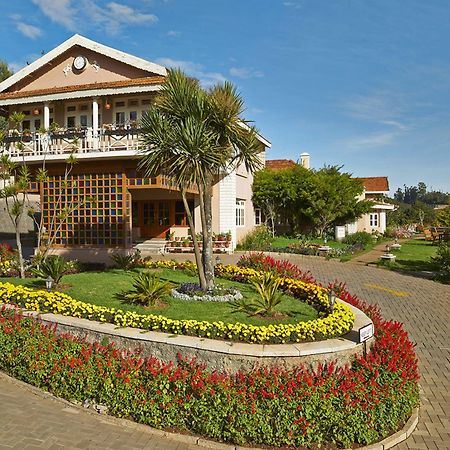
[198, 256]
[208, 262]
[19, 250]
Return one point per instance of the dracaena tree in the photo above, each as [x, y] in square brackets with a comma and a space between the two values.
[196, 136]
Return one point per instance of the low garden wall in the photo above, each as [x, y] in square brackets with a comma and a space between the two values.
[216, 354]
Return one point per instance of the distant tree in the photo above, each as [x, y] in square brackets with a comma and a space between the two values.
[319, 198]
[277, 193]
[411, 194]
[5, 71]
[399, 195]
[331, 198]
[443, 217]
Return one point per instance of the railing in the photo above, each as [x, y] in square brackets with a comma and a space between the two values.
[72, 141]
[159, 182]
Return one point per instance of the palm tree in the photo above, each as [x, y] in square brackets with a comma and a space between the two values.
[196, 136]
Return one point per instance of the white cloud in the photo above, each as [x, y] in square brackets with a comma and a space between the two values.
[78, 15]
[173, 33]
[193, 69]
[29, 30]
[245, 72]
[384, 111]
[371, 140]
[256, 111]
[296, 4]
[59, 11]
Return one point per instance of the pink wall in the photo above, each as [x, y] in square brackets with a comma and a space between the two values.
[52, 75]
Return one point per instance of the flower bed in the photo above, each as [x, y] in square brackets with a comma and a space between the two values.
[193, 292]
[358, 404]
[326, 326]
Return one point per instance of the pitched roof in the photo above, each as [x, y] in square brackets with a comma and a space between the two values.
[83, 87]
[77, 40]
[375, 184]
[279, 164]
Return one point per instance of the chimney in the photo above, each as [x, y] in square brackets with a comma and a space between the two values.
[304, 160]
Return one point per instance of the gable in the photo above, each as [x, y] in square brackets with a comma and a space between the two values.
[55, 69]
[60, 72]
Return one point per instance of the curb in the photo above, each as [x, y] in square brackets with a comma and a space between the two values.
[387, 443]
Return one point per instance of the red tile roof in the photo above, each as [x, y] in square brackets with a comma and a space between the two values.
[375, 184]
[83, 87]
[279, 164]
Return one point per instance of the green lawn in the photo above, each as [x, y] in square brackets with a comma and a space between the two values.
[99, 288]
[415, 256]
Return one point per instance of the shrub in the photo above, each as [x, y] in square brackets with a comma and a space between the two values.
[267, 287]
[442, 259]
[258, 239]
[148, 289]
[53, 266]
[125, 261]
[283, 268]
[357, 404]
[361, 237]
[8, 260]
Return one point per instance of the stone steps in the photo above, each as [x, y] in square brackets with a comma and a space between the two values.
[151, 246]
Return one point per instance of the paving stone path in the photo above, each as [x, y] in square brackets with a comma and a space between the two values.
[32, 422]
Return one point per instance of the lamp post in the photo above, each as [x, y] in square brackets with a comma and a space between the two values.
[332, 300]
[49, 283]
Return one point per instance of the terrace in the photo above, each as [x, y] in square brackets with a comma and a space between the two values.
[83, 142]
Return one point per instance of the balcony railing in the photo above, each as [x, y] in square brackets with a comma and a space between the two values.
[159, 182]
[72, 141]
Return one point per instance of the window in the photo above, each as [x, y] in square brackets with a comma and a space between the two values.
[26, 125]
[240, 213]
[258, 218]
[71, 108]
[84, 120]
[71, 122]
[373, 219]
[120, 118]
[120, 104]
[133, 116]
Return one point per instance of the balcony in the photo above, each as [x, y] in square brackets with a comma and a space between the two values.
[159, 182]
[111, 141]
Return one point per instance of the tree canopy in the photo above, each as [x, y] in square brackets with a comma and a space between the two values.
[5, 71]
[310, 198]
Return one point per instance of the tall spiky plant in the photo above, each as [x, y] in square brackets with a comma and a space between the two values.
[195, 135]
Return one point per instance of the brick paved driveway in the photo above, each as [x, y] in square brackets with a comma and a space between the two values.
[29, 421]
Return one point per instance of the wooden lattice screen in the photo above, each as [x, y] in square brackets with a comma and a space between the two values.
[98, 207]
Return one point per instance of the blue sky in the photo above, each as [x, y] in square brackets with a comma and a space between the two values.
[364, 84]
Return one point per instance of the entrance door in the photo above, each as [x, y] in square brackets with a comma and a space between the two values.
[154, 218]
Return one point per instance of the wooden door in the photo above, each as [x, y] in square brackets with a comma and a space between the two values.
[154, 218]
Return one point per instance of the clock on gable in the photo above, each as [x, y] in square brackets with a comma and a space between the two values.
[80, 63]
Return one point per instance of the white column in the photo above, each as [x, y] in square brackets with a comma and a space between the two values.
[225, 205]
[382, 221]
[95, 122]
[46, 116]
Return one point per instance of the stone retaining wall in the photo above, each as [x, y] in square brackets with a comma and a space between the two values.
[216, 354]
